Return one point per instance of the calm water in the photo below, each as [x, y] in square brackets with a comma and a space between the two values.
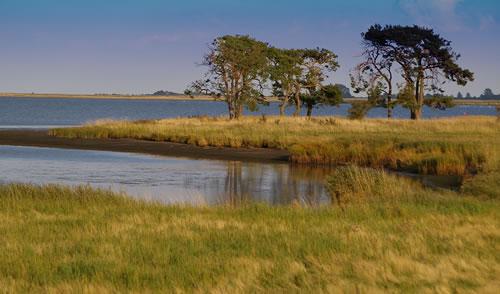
[46, 113]
[164, 179]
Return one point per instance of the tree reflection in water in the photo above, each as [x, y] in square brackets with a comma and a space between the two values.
[276, 184]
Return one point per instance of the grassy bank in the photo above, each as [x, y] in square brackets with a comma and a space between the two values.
[453, 146]
[77, 239]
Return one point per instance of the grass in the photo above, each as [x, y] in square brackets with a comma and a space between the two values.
[60, 239]
[452, 146]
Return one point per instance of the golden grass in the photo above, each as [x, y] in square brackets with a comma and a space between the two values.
[57, 239]
[451, 146]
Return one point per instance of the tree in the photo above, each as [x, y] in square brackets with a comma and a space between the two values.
[375, 73]
[326, 95]
[317, 64]
[285, 73]
[487, 94]
[237, 68]
[440, 102]
[460, 95]
[424, 58]
[359, 109]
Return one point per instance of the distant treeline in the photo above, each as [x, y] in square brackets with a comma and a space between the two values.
[165, 93]
[487, 95]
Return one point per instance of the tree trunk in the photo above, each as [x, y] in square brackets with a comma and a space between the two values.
[240, 111]
[389, 103]
[297, 102]
[416, 113]
[282, 107]
[420, 98]
[230, 107]
[309, 110]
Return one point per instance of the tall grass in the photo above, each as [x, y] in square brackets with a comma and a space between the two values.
[351, 184]
[452, 146]
[58, 239]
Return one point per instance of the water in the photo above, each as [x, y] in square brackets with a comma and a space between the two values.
[164, 179]
[54, 112]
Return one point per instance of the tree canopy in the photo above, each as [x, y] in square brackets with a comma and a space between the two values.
[425, 59]
[325, 95]
[286, 72]
[237, 68]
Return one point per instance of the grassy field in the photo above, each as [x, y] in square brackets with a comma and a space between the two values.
[453, 146]
[385, 234]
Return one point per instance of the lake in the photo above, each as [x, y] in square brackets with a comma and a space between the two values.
[165, 179]
[56, 112]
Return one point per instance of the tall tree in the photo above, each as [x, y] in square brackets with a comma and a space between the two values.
[325, 95]
[375, 73]
[423, 56]
[237, 67]
[285, 73]
[317, 65]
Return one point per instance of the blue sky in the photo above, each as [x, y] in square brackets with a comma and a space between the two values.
[133, 46]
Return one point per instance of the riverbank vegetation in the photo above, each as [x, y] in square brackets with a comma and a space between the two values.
[58, 239]
[450, 146]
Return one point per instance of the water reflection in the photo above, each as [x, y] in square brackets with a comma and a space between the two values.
[276, 184]
[167, 180]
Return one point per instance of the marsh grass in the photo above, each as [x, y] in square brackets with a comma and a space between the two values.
[354, 185]
[451, 146]
[485, 185]
[59, 239]
[358, 185]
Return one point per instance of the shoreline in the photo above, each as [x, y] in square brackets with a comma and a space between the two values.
[181, 97]
[105, 97]
[40, 138]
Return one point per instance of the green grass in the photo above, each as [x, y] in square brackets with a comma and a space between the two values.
[57, 239]
[453, 146]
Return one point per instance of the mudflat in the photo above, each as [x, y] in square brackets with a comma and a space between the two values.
[40, 138]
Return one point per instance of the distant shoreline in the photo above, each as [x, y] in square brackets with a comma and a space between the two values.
[102, 96]
[195, 98]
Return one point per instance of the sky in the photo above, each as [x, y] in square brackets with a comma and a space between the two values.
[140, 46]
